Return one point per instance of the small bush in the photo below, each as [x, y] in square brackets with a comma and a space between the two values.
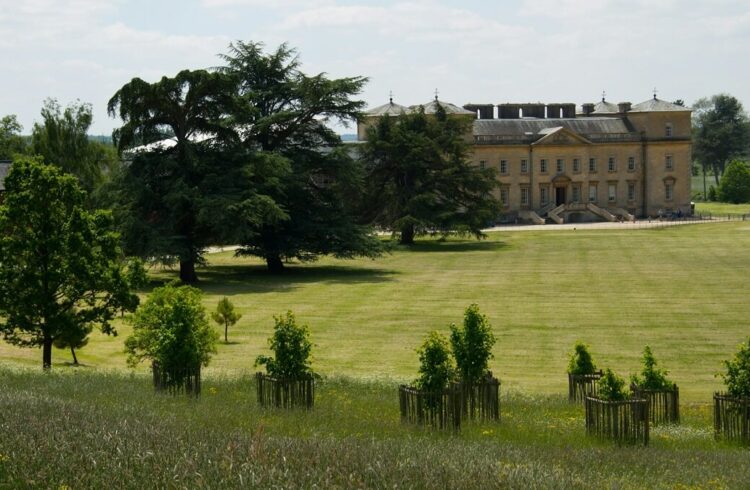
[581, 361]
[611, 387]
[291, 346]
[171, 329]
[651, 377]
[712, 194]
[735, 183]
[472, 345]
[737, 377]
[436, 370]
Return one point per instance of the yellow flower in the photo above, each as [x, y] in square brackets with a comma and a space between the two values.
[213, 390]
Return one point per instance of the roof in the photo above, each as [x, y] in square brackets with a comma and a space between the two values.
[657, 105]
[605, 107]
[4, 169]
[526, 127]
[431, 108]
[389, 109]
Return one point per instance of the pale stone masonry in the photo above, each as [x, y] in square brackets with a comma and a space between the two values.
[606, 162]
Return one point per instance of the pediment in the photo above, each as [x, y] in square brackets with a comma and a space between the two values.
[560, 136]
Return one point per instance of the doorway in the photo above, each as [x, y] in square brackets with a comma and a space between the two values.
[559, 195]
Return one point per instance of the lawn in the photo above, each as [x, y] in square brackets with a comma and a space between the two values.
[682, 290]
[94, 429]
[719, 208]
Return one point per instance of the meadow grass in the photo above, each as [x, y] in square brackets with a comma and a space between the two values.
[682, 290]
[105, 429]
[719, 208]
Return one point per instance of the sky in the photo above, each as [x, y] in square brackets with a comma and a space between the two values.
[470, 51]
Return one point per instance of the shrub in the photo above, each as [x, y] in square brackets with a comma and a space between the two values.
[225, 315]
[737, 377]
[651, 377]
[581, 361]
[611, 387]
[171, 329]
[291, 346]
[735, 183]
[712, 194]
[472, 345]
[436, 370]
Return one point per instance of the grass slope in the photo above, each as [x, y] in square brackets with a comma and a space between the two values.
[682, 290]
[108, 430]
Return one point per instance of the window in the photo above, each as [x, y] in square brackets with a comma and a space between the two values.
[525, 196]
[631, 191]
[503, 167]
[576, 193]
[560, 165]
[631, 164]
[543, 165]
[612, 192]
[544, 195]
[592, 192]
[668, 190]
[524, 166]
[668, 130]
[504, 196]
[592, 164]
[482, 164]
[611, 165]
[668, 162]
[576, 165]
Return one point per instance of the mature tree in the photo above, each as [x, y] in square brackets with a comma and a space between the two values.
[172, 197]
[62, 140]
[720, 132]
[11, 141]
[419, 179]
[60, 265]
[308, 181]
[735, 183]
[225, 315]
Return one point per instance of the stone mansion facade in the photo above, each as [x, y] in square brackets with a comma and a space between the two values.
[554, 164]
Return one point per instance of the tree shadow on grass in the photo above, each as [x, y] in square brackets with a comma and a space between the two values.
[243, 279]
[445, 246]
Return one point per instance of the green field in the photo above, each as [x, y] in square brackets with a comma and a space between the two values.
[682, 290]
[719, 208]
[96, 430]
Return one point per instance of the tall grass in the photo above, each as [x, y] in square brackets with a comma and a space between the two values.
[109, 430]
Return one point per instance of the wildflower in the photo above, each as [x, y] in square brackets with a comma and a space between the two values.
[213, 390]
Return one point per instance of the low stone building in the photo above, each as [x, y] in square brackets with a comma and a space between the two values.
[605, 162]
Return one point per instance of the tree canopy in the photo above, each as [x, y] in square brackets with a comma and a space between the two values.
[721, 132]
[61, 271]
[419, 179]
[472, 345]
[11, 141]
[735, 183]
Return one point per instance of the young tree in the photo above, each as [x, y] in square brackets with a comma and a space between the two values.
[581, 361]
[651, 378]
[11, 141]
[735, 183]
[302, 170]
[225, 315]
[611, 387]
[419, 179]
[737, 377]
[73, 339]
[721, 131]
[436, 369]
[62, 140]
[172, 199]
[60, 265]
[472, 345]
[171, 329]
[291, 346]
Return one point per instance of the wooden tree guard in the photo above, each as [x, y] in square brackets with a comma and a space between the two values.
[732, 418]
[177, 381]
[664, 405]
[625, 422]
[481, 401]
[582, 385]
[440, 410]
[285, 392]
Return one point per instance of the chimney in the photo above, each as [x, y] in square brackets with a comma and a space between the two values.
[587, 109]
[568, 111]
[507, 111]
[623, 107]
[485, 111]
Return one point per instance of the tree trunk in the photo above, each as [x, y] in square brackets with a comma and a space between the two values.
[407, 235]
[47, 353]
[275, 264]
[73, 352]
[187, 272]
